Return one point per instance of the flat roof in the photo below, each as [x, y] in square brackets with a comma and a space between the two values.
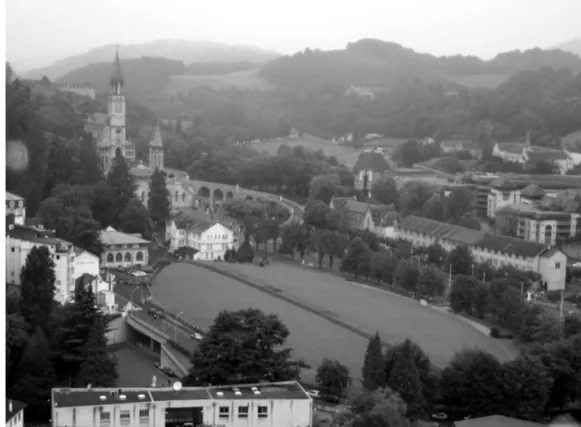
[71, 397]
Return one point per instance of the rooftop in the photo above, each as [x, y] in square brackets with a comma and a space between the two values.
[17, 406]
[532, 212]
[71, 397]
[441, 230]
[10, 196]
[372, 161]
[110, 236]
[532, 191]
[549, 156]
[511, 147]
[511, 245]
[350, 204]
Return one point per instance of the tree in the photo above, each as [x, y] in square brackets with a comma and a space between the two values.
[458, 203]
[410, 153]
[356, 261]
[378, 408]
[253, 340]
[572, 325]
[461, 294]
[89, 162]
[102, 204]
[122, 185]
[99, 366]
[434, 208]
[35, 378]
[37, 288]
[333, 377]
[324, 187]
[527, 388]
[461, 260]
[431, 281]
[407, 275]
[385, 191]
[436, 254]
[413, 196]
[373, 364]
[79, 320]
[469, 220]
[135, 219]
[543, 167]
[17, 339]
[158, 201]
[405, 381]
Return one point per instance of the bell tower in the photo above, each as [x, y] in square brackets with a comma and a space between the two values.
[156, 150]
[117, 103]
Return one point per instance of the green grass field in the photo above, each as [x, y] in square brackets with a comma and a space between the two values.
[201, 294]
[241, 79]
[489, 81]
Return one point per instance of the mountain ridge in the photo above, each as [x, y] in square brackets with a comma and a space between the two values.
[186, 51]
[573, 46]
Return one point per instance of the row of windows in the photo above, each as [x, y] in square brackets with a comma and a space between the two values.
[128, 257]
[243, 412]
[125, 417]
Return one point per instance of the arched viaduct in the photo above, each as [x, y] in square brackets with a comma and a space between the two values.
[194, 193]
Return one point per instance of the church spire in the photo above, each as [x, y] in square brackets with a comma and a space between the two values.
[117, 76]
[156, 141]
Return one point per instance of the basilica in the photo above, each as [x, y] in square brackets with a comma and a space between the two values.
[109, 131]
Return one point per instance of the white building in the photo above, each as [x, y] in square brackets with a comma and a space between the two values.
[15, 205]
[123, 250]
[86, 263]
[527, 154]
[496, 250]
[80, 89]
[19, 242]
[14, 413]
[199, 231]
[284, 404]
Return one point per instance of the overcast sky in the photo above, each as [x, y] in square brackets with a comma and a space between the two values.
[41, 31]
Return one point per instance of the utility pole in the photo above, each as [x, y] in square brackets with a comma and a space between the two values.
[561, 305]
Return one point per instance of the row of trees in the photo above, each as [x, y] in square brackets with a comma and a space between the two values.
[50, 345]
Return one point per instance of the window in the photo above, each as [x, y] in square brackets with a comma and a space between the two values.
[557, 265]
[143, 415]
[127, 257]
[110, 258]
[118, 258]
[58, 257]
[125, 417]
[105, 417]
[243, 412]
[12, 249]
[262, 411]
[139, 256]
[224, 412]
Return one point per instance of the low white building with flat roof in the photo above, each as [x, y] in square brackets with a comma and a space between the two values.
[283, 404]
[123, 249]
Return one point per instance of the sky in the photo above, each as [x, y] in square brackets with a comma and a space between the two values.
[42, 31]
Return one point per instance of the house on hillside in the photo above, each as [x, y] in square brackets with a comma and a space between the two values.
[369, 168]
[379, 219]
[201, 231]
[498, 251]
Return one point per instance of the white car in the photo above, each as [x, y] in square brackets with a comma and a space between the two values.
[315, 394]
[138, 273]
[196, 336]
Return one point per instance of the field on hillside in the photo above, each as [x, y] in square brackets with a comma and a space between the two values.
[201, 295]
[489, 81]
[396, 318]
[242, 79]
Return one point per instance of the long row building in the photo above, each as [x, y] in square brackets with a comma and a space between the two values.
[497, 250]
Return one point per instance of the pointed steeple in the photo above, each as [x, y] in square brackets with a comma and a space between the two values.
[117, 76]
[156, 141]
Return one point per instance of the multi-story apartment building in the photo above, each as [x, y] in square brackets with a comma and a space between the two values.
[19, 242]
[535, 225]
[121, 249]
[496, 250]
[14, 413]
[284, 404]
[200, 231]
[16, 205]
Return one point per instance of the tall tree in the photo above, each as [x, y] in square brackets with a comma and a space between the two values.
[373, 364]
[385, 191]
[17, 339]
[121, 183]
[99, 366]
[461, 260]
[37, 288]
[254, 342]
[89, 162]
[404, 379]
[333, 376]
[79, 320]
[158, 201]
[378, 408]
[134, 218]
[35, 378]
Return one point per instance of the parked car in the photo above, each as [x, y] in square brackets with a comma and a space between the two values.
[315, 394]
[196, 336]
[168, 371]
[154, 313]
[138, 273]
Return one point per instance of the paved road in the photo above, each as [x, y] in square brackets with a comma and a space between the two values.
[135, 367]
[178, 334]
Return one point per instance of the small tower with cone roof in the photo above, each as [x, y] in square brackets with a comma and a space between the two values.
[156, 150]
